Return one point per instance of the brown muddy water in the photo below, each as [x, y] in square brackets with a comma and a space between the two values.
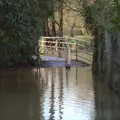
[48, 94]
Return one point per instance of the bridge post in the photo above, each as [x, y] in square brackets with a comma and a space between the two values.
[42, 45]
[76, 51]
[68, 56]
[56, 46]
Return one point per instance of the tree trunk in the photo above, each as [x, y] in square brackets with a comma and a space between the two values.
[47, 33]
[106, 64]
[61, 18]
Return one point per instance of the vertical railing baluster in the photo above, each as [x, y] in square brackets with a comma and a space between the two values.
[76, 52]
[56, 45]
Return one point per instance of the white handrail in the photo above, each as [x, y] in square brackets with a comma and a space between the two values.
[56, 42]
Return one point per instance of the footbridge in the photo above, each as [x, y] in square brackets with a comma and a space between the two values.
[66, 49]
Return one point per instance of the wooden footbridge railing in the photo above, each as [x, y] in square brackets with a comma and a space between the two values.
[67, 48]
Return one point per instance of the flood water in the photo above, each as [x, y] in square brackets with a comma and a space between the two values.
[47, 94]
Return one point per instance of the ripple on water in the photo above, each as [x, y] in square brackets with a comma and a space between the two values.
[66, 100]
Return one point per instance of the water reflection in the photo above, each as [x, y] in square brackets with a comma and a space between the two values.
[46, 94]
[19, 95]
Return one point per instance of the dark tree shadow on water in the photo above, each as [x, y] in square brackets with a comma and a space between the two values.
[107, 102]
[20, 95]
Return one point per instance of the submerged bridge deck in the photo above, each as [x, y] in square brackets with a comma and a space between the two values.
[50, 61]
[52, 58]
